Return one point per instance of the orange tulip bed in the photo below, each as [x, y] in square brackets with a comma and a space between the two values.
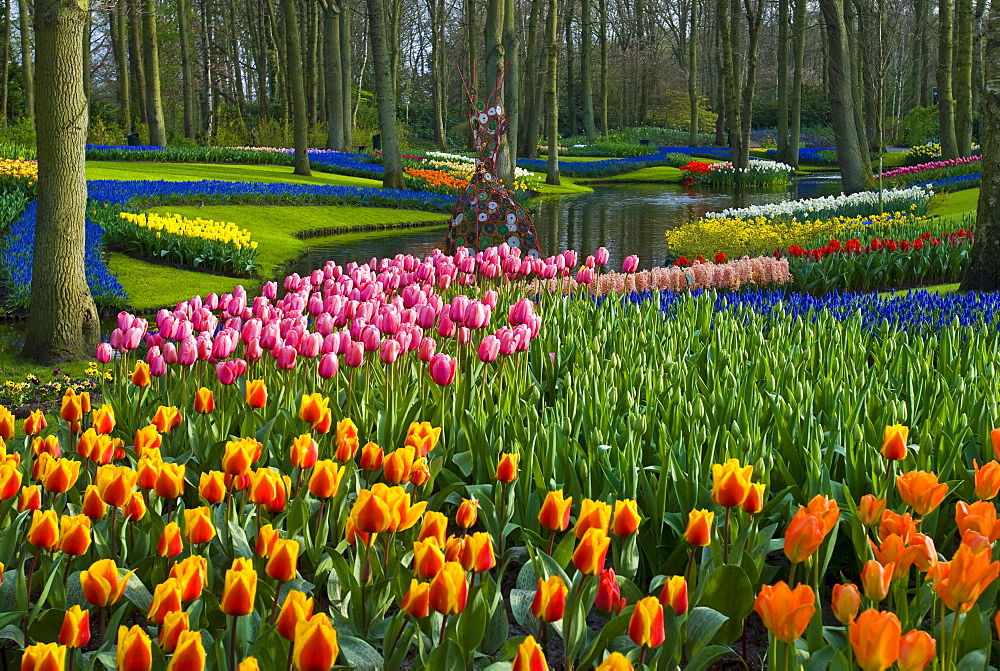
[363, 473]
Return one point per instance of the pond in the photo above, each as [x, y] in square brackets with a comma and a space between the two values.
[625, 218]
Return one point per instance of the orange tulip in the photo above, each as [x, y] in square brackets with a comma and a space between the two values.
[981, 517]
[6, 423]
[875, 578]
[435, 525]
[924, 553]
[134, 651]
[305, 451]
[35, 423]
[191, 572]
[44, 530]
[44, 657]
[256, 394]
[189, 655]
[645, 627]
[903, 526]
[423, 437]
[675, 594]
[893, 551]
[352, 534]
[870, 510]
[920, 490]
[30, 498]
[593, 515]
[699, 527]
[212, 486]
[549, 603]
[248, 664]
[995, 439]
[804, 536]
[370, 513]
[529, 657]
[449, 590]
[961, 581]
[297, 608]
[72, 406]
[875, 639]
[75, 630]
[590, 554]
[10, 480]
[61, 475]
[315, 647]
[240, 588]
[170, 481]
[826, 509]
[135, 508]
[372, 457]
[917, 650]
[204, 401]
[730, 483]
[140, 375]
[428, 558]
[326, 478]
[478, 555]
[397, 464]
[147, 438]
[417, 601]
[166, 599]
[312, 407]
[174, 624]
[50, 445]
[403, 514]
[507, 468]
[555, 510]
[626, 518]
[894, 442]
[284, 560]
[166, 418]
[616, 661]
[266, 539]
[754, 502]
[420, 473]
[170, 544]
[239, 456]
[102, 584]
[346, 439]
[784, 611]
[987, 479]
[846, 602]
[148, 471]
[115, 484]
[74, 535]
[93, 506]
[198, 527]
[468, 513]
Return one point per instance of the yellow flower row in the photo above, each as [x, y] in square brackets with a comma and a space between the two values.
[738, 236]
[19, 169]
[203, 229]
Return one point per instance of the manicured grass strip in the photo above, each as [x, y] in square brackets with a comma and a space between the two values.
[940, 289]
[955, 202]
[182, 172]
[659, 173]
[568, 187]
[274, 227]
[151, 286]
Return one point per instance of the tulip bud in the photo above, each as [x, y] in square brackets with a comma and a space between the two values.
[699, 528]
[75, 631]
[876, 578]
[846, 602]
[507, 468]
[549, 603]
[240, 588]
[675, 594]
[297, 608]
[555, 511]
[645, 627]
[416, 602]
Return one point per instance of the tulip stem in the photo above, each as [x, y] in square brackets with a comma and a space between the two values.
[444, 629]
[274, 605]
[72, 657]
[788, 656]
[291, 653]
[27, 596]
[114, 530]
[232, 645]
[725, 540]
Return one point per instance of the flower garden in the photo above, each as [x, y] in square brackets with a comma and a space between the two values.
[745, 456]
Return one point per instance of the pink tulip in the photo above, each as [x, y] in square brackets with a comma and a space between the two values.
[490, 298]
[124, 320]
[630, 264]
[477, 315]
[585, 275]
[589, 262]
[489, 349]
[158, 367]
[286, 357]
[188, 352]
[601, 256]
[253, 350]
[270, 291]
[104, 352]
[389, 351]
[328, 364]
[354, 354]
[226, 372]
[464, 335]
[426, 348]
[446, 327]
[520, 312]
[442, 369]
[370, 338]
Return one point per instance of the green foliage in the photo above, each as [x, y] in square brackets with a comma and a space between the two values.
[675, 112]
[815, 108]
[193, 155]
[920, 126]
[924, 153]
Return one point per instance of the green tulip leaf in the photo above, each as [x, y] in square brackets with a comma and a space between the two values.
[728, 591]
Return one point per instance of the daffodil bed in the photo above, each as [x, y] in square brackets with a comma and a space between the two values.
[384, 467]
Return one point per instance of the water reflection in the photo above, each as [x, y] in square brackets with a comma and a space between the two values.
[625, 218]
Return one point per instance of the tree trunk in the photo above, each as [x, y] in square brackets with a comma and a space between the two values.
[263, 103]
[693, 132]
[300, 120]
[923, 53]
[755, 17]
[5, 64]
[729, 30]
[528, 130]
[586, 86]
[946, 97]
[234, 56]
[552, 92]
[392, 178]
[135, 56]
[571, 119]
[24, 22]
[435, 9]
[853, 156]
[87, 70]
[783, 21]
[795, 130]
[208, 108]
[512, 87]
[493, 50]
[345, 69]
[118, 20]
[472, 76]
[984, 271]
[62, 318]
[334, 80]
[309, 74]
[603, 37]
[151, 65]
[963, 77]
[977, 55]
[187, 75]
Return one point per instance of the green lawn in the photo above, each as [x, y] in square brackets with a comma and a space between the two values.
[567, 187]
[182, 172]
[938, 289]
[654, 174]
[891, 159]
[151, 286]
[957, 202]
[273, 227]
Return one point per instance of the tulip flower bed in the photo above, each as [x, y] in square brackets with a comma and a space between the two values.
[757, 174]
[365, 470]
[18, 174]
[934, 169]
[924, 153]
[969, 181]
